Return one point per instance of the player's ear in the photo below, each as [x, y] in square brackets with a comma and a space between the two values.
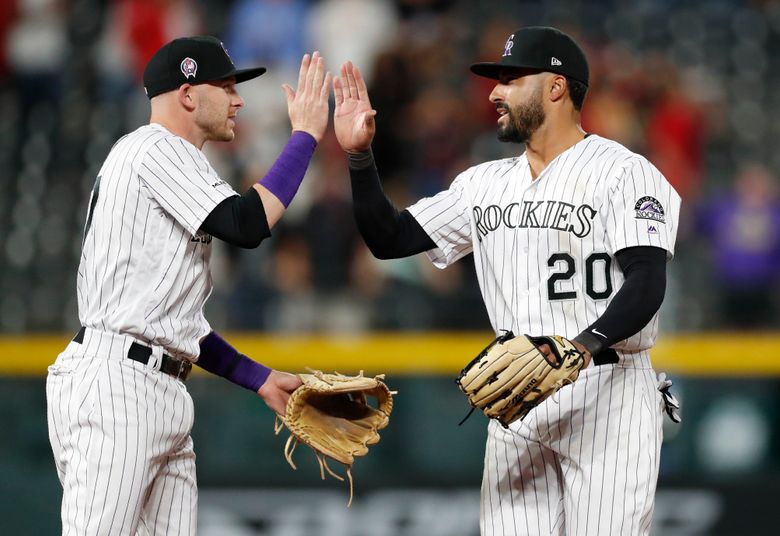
[558, 86]
[187, 96]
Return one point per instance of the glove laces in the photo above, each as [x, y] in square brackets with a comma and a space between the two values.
[289, 449]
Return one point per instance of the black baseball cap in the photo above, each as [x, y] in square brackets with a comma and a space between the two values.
[541, 48]
[193, 60]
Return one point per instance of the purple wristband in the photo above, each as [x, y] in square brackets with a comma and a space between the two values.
[218, 357]
[285, 176]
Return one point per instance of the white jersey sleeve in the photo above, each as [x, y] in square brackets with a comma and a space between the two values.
[446, 217]
[181, 180]
[644, 209]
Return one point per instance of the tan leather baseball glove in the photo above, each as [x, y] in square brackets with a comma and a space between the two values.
[512, 376]
[330, 413]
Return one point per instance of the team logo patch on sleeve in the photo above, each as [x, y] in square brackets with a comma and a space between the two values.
[649, 208]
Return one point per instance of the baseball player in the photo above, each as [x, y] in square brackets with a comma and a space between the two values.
[119, 413]
[569, 238]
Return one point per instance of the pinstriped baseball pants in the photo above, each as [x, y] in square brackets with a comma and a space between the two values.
[120, 434]
[583, 463]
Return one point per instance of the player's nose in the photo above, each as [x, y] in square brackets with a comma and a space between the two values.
[496, 95]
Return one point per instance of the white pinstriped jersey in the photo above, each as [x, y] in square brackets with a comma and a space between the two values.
[545, 249]
[144, 267]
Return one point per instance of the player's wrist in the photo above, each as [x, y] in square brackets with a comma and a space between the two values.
[360, 159]
[307, 131]
[219, 357]
[592, 344]
[286, 175]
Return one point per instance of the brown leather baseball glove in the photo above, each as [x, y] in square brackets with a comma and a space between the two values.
[330, 413]
[512, 376]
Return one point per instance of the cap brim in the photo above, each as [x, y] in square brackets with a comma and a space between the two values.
[487, 69]
[242, 75]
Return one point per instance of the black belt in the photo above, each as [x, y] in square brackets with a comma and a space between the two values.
[605, 357]
[178, 368]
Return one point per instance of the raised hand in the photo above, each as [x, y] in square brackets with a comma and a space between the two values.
[353, 119]
[308, 106]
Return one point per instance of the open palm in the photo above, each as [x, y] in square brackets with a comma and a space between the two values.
[353, 118]
[308, 105]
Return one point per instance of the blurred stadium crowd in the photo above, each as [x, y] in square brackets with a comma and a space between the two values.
[690, 84]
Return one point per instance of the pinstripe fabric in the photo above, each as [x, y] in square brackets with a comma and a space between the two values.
[544, 252]
[585, 462]
[120, 430]
[120, 434]
[144, 267]
[581, 206]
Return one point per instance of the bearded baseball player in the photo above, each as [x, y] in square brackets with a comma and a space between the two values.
[119, 413]
[569, 238]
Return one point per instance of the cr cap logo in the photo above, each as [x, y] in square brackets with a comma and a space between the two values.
[649, 208]
[508, 46]
[189, 67]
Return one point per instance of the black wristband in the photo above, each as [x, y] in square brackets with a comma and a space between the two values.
[361, 160]
[590, 341]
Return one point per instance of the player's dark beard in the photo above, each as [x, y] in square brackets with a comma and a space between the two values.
[524, 120]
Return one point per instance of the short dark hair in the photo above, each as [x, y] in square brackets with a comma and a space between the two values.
[577, 92]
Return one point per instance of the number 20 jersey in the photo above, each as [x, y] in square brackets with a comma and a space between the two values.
[544, 249]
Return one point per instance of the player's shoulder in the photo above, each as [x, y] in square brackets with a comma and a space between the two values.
[147, 134]
[137, 143]
[154, 141]
[491, 169]
[154, 135]
[619, 161]
[611, 151]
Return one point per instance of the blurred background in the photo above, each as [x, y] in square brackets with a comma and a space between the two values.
[691, 84]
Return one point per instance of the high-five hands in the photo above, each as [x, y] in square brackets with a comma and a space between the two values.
[308, 106]
[353, 119]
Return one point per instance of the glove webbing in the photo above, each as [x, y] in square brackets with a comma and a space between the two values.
[289, 448]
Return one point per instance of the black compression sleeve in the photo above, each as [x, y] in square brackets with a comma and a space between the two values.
[640, 297]
[389, 234]
[239, 220]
